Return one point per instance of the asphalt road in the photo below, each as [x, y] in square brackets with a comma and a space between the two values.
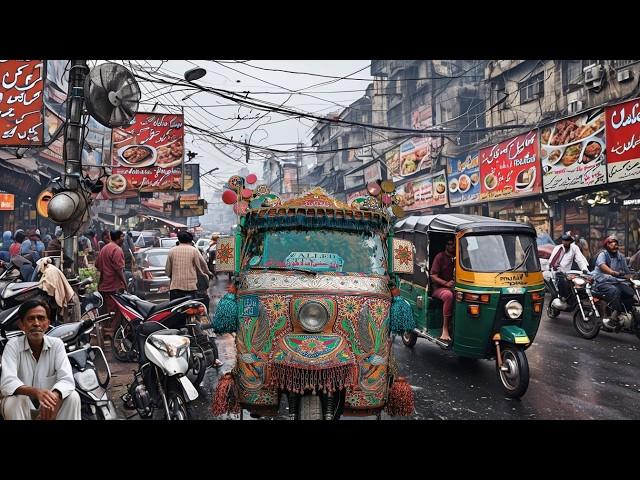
[571, 378]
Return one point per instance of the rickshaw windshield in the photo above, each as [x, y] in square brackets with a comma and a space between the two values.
[317, 251]
[498, 253]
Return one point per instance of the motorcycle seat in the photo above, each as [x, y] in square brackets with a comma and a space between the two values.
[143, 306]
[165, 305]
[22, 285]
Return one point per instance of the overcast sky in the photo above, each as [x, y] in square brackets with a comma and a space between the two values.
[210, 111]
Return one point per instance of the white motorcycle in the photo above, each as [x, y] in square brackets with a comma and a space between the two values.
[160, 387]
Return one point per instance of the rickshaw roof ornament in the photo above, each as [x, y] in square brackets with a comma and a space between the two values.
[317, 197]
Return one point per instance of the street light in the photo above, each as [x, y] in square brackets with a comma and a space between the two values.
[194, 74]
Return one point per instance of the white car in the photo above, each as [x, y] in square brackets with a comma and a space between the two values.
[202, 244]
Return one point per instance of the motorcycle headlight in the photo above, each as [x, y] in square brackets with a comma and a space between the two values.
[513, 309]
[171, 348]
[86, 380]
[313, 316]
[579, 281]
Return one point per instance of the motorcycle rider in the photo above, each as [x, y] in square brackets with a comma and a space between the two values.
[562, 258]
[611, 267]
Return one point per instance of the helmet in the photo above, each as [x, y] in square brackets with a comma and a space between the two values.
[566, 238]
[610, 238]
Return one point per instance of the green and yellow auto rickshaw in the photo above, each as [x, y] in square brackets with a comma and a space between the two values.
[311, 309]
[498, 292]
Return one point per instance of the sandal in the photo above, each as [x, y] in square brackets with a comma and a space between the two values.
[448, 342]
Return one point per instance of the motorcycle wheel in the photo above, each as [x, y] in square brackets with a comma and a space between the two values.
[121, 351]
[636, 321]
[409, 339]
[515, 378]
[310, 407]
[587, 328]
[178, 408]
[552, 312]
[198, 367]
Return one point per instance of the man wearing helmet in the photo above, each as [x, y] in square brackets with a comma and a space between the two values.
[611, 267]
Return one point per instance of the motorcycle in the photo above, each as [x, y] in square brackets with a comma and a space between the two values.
[179, 313]
[89, 366]
[579, 292]
[603, 316]
[160, 387]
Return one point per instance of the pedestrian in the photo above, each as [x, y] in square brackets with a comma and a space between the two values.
[105, 238]
[15, 247]
[94, 243]
[55, 247]
[110, 263]
[33, 246]
[184, 264]
[37, 380]
[7, 240]
[128, 249]
[83, 251]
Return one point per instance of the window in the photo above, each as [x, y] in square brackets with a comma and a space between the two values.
[394, 116]
[532, 88]
[622, 63]
[499, 92]
[573, 73]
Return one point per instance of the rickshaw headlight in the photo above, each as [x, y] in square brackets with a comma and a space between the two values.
[313, 316]
[513, 309]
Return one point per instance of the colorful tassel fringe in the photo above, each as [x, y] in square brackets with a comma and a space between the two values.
[400, 316]
[225, 399]
[400, 402]
[225, 319]
[295, 379]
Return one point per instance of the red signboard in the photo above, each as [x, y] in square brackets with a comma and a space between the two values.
[510, 168]
[147, 155]
[7, 201]
[21, 102]
[623, 141]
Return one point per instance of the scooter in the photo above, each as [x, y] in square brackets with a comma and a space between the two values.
[180, 313]
[604, 317]
[90, 368]
[160, 387]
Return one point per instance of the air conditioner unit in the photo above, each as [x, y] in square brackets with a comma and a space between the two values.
[575, 107]
[593, 75]
[625, 75]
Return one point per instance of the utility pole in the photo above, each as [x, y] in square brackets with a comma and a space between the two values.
[73, 149]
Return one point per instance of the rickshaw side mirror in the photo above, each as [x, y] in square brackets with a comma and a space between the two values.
[226, 255]
[402, 259]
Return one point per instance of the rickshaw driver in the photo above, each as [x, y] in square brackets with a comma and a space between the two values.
[442, 278]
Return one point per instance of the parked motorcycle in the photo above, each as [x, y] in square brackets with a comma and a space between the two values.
[90, 368]
[602, 316]
[160, 387]
[180, 313]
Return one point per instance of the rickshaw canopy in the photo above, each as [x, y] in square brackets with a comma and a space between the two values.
[456, 222]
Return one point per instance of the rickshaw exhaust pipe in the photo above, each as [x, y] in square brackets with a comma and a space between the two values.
[422, 334]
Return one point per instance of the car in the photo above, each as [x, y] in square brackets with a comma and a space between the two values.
[168, 242]
[150, 282]
[145, 239]
[202, 244]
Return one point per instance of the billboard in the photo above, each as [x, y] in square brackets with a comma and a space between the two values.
[623, 139]
[415, 156]
[510, 168]
[463, 176]
[147, 155]
[573, 153]
[424, 192]
[21, 103]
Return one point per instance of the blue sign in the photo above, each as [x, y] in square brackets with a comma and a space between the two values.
[250, 306]
[463, 175]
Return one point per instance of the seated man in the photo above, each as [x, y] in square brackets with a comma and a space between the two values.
[610, 268]
[562, 258]
[37, 380]
[442, 284]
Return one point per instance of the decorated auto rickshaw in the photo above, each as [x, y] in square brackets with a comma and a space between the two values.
[311, 307]
[498, 292]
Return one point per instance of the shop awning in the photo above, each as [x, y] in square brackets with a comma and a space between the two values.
[168, 222]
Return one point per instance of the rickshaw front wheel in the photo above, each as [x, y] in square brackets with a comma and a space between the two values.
[409, 338]
[514, 374]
